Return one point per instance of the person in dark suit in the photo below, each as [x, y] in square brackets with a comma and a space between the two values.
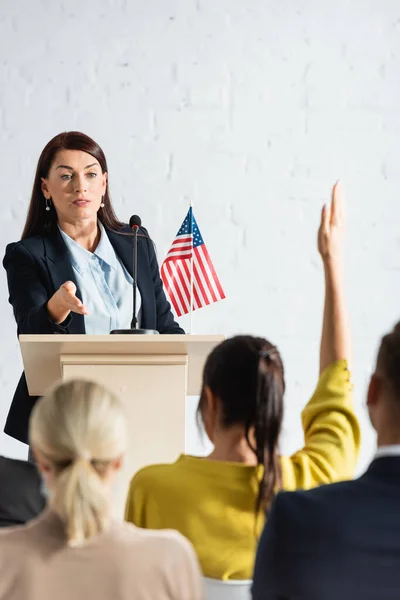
[72, 270]
[21, 498]
[342, 541]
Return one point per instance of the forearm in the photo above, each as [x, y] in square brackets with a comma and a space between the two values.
[36, 320]
[335, 339]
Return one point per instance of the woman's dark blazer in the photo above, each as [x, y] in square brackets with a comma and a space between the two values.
[37, 266]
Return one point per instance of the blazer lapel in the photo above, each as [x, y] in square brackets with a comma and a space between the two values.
[59, 266]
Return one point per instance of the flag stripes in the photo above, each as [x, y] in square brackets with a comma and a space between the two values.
[187, 257]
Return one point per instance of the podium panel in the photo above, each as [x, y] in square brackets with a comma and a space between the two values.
[155, 408]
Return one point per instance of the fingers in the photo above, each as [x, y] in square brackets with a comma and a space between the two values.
[325, 217]
[69, 286]
[75, 305]
[69, 289]
[71, 300]
[337, 211]
[80, 310]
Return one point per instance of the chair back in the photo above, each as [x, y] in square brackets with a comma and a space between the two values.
[233, 589]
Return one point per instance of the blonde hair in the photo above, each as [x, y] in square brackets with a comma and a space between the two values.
[79, 428]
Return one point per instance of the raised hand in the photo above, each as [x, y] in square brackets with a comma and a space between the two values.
[331, 230]
[335, 338]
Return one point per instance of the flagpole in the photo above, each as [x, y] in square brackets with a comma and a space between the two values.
[191, 275]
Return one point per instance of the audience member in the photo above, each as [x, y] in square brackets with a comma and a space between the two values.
[342, 541]
[219, 502]
[75, 550]
[21, 498]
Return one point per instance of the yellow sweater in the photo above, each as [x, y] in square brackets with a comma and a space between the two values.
[212, 502]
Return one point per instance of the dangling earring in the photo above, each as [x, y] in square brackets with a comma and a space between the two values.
[102, 202]
[48, 204]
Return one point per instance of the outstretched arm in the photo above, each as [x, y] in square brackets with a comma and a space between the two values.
[331, 429]
[335, 338]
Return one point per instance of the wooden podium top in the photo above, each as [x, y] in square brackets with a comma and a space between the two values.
[43, 355]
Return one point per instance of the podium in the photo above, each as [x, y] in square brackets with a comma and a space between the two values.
[151, 374]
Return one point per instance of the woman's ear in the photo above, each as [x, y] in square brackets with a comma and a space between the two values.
[42, 466]
[117, 463]
[45, 190]
[105, 178]
[45, 469]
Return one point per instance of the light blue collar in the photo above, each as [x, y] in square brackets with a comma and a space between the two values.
[104, 249]
[80, 257]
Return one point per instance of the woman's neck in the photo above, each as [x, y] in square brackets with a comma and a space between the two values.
[85, 233]
[232, 447]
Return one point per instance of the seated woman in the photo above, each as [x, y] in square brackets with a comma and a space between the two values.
[74, 549]
[219, 502]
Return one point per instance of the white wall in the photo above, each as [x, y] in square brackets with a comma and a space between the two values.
[252, 108]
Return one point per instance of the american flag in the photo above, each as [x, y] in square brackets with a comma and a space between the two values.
[177, 270]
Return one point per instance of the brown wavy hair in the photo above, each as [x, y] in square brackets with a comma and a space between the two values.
[39, 221]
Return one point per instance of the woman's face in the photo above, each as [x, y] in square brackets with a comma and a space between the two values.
[76, 185]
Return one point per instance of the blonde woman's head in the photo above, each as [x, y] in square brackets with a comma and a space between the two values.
[78, 433]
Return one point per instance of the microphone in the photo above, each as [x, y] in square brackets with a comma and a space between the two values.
[134, 223]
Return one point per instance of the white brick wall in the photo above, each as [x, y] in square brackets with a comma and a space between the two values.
[250, 107]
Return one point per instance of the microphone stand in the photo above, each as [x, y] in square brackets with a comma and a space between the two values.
[134, 330]
[134, 322]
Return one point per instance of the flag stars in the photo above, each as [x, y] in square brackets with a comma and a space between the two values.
[189, 227]
[197, 239]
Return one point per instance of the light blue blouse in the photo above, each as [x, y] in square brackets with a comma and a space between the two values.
[105, 285]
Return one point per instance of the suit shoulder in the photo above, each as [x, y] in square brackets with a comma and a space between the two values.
[33, 245]
[323, 493]
[19, 466]
[19, 471]
[300, 508]
[123, 229]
